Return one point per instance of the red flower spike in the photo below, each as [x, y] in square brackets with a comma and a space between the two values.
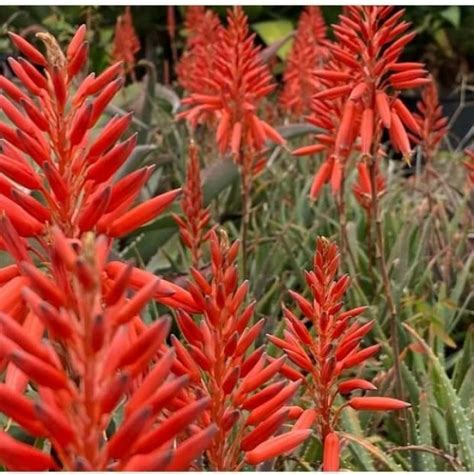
[333, 348]
[369, 42]
[136, 303]
[43, 284]
[193, 225]
[80, 124]
[21, 173]
[430, 126]
[240, 80]
[150, 339]
[19, 408]
[9, 272]
[305, 420]
[56, 424]
[126, 42]
[263, 395]
[54, 134]
[14, 331]
[194, 69]
[274, 404]
[309, 51]
[215, 356]
[11, 89]
[71, 406]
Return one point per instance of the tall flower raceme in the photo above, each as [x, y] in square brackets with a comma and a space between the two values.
[203, 28]
[309, 52]
[126, 42]
[362, 188]
[324, 344]
[433, 125]
[99, 358]
[194, 222]
[247, 404]
[238, 82]
[59, 168]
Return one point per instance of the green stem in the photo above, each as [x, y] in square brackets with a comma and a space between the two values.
[385, 278]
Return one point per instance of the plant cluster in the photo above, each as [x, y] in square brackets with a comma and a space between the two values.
[93, 375]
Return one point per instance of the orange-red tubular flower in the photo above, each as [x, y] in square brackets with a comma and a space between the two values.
[195, 65]
[238, 81]
[86, 370]
[337, 118]
[362, 188]
[309, 52]
[361, 85]
[247, 405]
[329, 348]
[50, 146]
[192, 225]
[126, 42]
[331, 453]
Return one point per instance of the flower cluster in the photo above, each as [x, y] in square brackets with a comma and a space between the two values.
[97, 350]
[433, 126]
[239, 82]
[192, 225]
[326, 114]
[309, 52]
[126, 42]
[362, 82]
[246, 403]
[324, 343]
[69, 165]
[195, 65]
[59, 170]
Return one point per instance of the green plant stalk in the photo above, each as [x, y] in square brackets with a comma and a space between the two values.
[343, 239]
[380, 255]
[370, 249]
[347, 256]
[246, 185]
